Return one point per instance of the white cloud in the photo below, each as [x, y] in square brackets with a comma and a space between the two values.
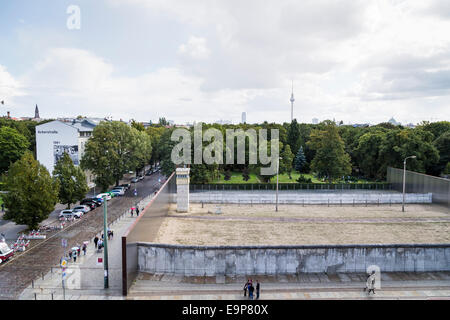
[195, 48]
[10, 88]
[358, 61]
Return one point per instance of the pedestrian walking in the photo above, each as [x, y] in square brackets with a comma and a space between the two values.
[84, 248]
[257, 289]
[132, 211]
[137, 212]
[109, 235]
[370, 283]
[112, 234]
[246, 287]
[74, 256]
[250, 291]
[103, 237]
[70, 255]
[95, 241]
[3, 207]
[100, 245]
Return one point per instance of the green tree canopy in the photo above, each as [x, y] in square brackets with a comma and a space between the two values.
[71, 179]
[12, 146]
[300, 160]
[112, 151]
[330, 160]
[286, 161]
[32, 193]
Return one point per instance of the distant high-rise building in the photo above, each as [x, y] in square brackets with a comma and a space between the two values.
[315, 121]
[244, 117]
[292, 102]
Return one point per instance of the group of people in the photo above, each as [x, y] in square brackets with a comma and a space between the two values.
[73, 254]
[250, 288]
[132, 209]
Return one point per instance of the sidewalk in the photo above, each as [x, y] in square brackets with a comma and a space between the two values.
[85, 279]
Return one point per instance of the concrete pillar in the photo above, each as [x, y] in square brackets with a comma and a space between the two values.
[182, 189]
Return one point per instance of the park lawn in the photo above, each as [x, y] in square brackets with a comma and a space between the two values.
[236, 177]
[284, 178]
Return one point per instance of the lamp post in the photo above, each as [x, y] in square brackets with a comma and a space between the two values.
[404, 180]
[105, 241]
[276, 200]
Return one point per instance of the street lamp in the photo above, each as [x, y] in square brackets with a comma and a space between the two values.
[276, 201]
[105, 242]
[404, 180]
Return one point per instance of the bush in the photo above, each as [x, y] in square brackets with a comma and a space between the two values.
[302, 179]
[227, 175]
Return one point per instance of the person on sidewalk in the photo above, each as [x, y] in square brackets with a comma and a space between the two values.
[370, 283]
[74, 256]
[257, 289]
[84, 248]
[251, 288]
[95, 241]
[246, 287]
[132, 211]
[137, 212]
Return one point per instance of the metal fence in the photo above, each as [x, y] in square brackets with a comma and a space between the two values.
[421, 183]
[289, 186]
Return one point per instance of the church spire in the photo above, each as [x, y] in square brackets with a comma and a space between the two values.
[36, 112]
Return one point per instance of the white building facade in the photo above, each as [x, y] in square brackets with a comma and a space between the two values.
[56, 137]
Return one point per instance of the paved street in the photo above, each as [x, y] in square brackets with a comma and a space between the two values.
[37, 261]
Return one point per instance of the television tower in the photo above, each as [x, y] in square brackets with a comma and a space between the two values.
[292, 101]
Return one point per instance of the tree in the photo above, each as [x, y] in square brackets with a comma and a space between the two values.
[331, 160]
[141, 149]
[12, 146]
[286, 161]
[367, 153]
[293, 135]
[32, 193]
[71, 179]
[300, 160]
[109, 152]
[442, 144]
[399, 144]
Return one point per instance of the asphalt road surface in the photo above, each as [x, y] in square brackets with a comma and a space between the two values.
[17, 274]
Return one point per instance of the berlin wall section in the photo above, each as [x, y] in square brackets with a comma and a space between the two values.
[273, 260]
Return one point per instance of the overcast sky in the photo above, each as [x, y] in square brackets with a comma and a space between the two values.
[189, 60]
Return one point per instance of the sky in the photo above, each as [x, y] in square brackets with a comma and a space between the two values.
[195, 60]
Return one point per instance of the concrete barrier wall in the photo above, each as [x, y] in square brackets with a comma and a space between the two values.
[422, 183]
[272, 260]
[305, 197]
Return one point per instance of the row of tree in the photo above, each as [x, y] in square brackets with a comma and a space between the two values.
[333, 151]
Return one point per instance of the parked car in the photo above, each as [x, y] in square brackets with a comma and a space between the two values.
[5, 252]
[91, 204]
[149, 172]
[111, 194]
[70, 214]
[118, 192]
[122, 189]
[140, 178]
[134, 180]
[97, 201]
[81, 208]
[126, 186]
[101, 195]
